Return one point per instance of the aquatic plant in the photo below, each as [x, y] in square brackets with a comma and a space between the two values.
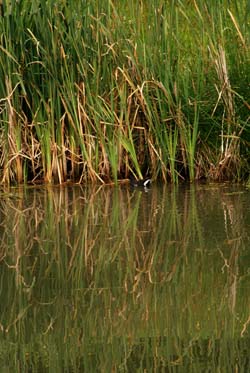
[95, 91]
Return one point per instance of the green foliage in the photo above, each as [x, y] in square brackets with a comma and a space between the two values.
[96, 90]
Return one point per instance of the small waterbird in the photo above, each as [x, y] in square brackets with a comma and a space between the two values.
[140, 183]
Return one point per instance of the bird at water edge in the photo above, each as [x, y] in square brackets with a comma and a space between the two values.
[140, 183]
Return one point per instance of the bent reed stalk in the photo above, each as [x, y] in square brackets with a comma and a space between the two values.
[95, 91]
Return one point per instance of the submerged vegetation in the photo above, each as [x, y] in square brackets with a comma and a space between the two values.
[98, 90]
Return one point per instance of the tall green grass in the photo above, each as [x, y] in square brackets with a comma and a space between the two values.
[96, 91]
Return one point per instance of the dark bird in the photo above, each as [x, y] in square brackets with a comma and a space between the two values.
[140, 183]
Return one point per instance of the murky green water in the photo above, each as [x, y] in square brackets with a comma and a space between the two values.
[120, 280]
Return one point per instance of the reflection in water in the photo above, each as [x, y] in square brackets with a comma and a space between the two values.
[114, 279]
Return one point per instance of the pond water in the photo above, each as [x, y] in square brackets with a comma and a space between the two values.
[104, 279]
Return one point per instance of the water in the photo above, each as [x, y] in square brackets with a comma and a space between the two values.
[106, 279]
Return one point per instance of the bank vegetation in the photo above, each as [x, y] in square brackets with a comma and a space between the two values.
[96, 91]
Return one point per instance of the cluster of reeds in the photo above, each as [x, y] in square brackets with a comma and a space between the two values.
[96, 90]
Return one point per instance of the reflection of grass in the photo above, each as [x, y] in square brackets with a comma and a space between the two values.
[96, 90]
[114, 272]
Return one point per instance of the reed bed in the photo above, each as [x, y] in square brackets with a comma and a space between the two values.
[94, 91]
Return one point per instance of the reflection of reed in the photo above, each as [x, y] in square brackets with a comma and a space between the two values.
[232, 237]
[105, 226]
[108, 226]
[109, 263]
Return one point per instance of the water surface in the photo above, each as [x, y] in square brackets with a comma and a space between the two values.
[104, 279]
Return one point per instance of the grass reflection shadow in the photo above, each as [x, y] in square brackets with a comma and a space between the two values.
[114, 279]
